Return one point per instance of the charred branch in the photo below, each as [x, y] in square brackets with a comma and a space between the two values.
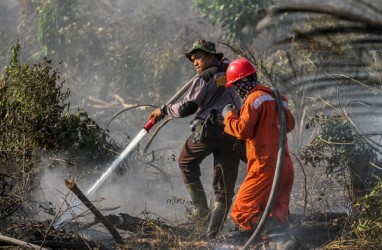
[73, 187]
[16, 242]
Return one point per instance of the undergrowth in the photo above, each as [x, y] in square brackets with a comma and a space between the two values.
[365, 224]
[35, 121]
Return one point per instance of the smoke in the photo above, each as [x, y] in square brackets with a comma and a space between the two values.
[112, 31]
[161, 30]
[132, 188]
[155, 189]
[141, 189]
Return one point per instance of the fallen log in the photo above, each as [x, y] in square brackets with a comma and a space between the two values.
[17, 242]
[73, 187]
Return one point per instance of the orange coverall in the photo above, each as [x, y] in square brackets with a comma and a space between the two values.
[259, 125]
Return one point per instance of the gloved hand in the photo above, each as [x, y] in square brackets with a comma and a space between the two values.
[157, 115]
[228, 108]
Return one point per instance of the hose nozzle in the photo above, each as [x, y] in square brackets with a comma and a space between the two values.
[149, 124]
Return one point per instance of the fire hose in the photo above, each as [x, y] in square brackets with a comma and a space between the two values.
[276, 178]
[173, 99]
[137, 139]
[146, 128]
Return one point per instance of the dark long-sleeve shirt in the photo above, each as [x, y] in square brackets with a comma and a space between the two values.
[208, 91]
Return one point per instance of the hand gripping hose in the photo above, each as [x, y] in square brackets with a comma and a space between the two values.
[173, 99]
[146, 128]
[276, 178]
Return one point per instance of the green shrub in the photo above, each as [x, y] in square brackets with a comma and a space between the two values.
[35, 120]
[368, 214]
[340, 151]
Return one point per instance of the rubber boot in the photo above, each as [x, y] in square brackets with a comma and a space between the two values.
[218, 216]
[199, 200]
[276, 236]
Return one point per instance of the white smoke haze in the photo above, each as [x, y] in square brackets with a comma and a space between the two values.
[141, 188]
[136, 191]
[102, 92]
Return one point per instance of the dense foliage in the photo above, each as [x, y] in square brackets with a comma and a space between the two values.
[237, 17]
[346, 155]
[367, 226]
[112, 49]
[342, 152]
[34, 119]
[325, 57]
[34, 113]
[363, 229]
[30, 105]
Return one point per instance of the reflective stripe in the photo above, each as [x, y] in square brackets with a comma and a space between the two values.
[265, 98]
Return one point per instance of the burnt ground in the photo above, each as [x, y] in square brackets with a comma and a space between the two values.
[316, 231]
[313, 232]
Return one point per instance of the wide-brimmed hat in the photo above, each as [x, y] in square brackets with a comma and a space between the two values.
[206, 46]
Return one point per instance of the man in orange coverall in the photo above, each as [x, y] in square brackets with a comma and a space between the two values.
[258, 124]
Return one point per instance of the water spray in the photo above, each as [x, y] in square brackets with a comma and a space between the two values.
[125, 152]
[146, 128]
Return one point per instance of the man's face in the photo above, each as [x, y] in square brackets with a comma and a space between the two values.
[202, 60]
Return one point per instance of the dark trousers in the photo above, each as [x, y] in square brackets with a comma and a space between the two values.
[226, 163]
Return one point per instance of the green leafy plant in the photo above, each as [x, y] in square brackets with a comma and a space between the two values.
[30, 104]
[368, 212]
[47, 24]
[363, 229]
[239, 17]
[34, 118]
[339, 150]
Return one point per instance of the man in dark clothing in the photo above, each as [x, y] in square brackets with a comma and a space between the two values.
[206, 98]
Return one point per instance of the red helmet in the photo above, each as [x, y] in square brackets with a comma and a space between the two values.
[238, 69]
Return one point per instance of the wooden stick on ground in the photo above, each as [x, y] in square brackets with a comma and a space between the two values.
[73, 187]
[17, 242]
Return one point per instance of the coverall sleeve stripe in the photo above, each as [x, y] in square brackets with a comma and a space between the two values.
[265, 98]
